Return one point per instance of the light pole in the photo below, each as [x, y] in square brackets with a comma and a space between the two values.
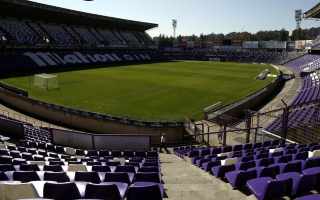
[174, 26]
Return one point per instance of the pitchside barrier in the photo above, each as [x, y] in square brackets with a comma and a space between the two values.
[93, 122]
[101, 141]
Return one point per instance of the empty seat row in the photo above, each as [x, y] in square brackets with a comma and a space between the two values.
[79, 190]
[93, 177]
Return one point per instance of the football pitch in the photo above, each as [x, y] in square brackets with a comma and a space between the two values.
[160, 91]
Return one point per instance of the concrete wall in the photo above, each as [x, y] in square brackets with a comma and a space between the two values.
[251, 102]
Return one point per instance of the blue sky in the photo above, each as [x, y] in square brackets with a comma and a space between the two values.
[200, 16]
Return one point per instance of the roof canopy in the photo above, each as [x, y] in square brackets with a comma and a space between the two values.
[313, 12]
[24, 9]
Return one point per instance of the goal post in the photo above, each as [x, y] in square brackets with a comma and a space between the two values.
[46, 81]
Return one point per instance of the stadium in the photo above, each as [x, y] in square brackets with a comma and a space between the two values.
[93, 107]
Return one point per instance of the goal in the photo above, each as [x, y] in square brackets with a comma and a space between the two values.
[46, 81]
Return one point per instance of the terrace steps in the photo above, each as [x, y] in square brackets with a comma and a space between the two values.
[184, 181]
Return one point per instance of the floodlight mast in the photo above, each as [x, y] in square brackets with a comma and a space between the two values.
[174, 26]
[298, 17]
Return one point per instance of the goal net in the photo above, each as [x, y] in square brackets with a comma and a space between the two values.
[46, 81]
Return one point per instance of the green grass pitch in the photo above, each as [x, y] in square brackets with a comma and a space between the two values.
[161, 91]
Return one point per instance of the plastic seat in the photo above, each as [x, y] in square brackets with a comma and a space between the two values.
[53, 168]
[6, 159]
[25, 176]
[301, 156]
[238, 179]
[79, 152]
[220, 171]
[310, 197]
[116, 153]
[27, 156]
[312, 162]
[121, 177]
[15, 154]
[284, 159]
[56, 163]
[247, 159]
[100, 168]
[29, 167]
[315, 171]
[4, 152]
[91, 163]
[147, 177]
[144, 191]
[265, 162]
[266, 188]
[106, 191]
[103, 153]
[131, 163]
[92, 177]
[6, 167]
[293, 166]
[270, 171]
[61, 191]
[149, 169]
[3, 176]
[128, 154]
[113, 163]
[246, 165]
[140, 154]
[127, 169]
[301, 183]
[59, 177]
[92, 153]
[150, 164]
[19, 161]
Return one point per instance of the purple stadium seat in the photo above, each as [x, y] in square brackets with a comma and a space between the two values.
[312, 162]
[104, 191]
[3, 176]
[310, 197]
[301, 183]
[53, 168]
[100, 168]
[264, 162]
[284, 159]
[59, 177]
[144, 191]
[92, 177]
[301, 156]
[149, 169]
[6, 167]
[127, 169]
[266, 188]
[245, 165]
[293, 166]
[147, 177]
[270, 171]
[25, 176]
[61, 191]
[6, 159]
[208, 165]
[121, 177]
[238, 179]
[247, 158]
[220, 171]
[29, 167]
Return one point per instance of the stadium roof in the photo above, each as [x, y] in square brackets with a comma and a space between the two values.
[36, 11]
[313, 12]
